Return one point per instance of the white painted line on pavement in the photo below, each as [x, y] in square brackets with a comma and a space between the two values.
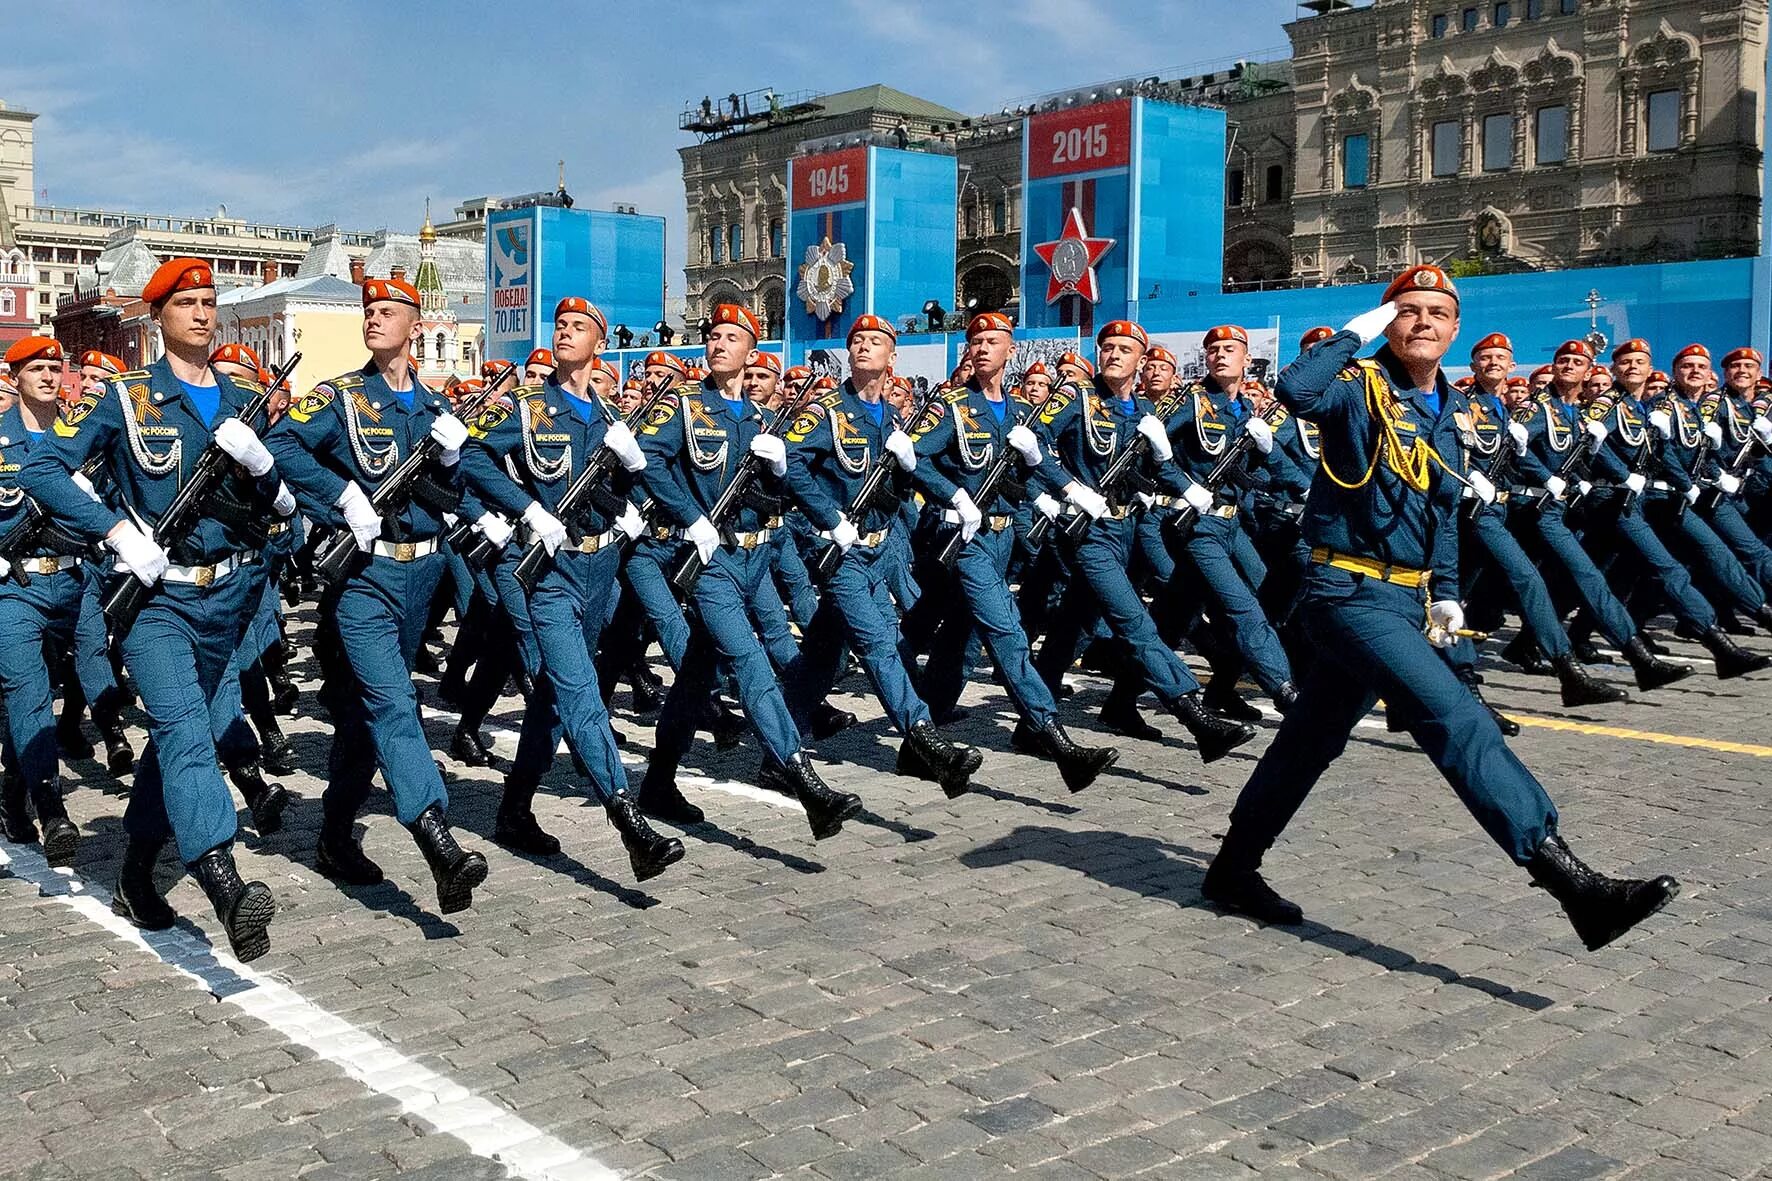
[488, 1130]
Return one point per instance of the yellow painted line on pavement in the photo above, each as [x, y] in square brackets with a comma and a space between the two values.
[1716, 744]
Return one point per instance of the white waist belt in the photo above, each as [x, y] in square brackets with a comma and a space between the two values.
[405, 551]
[211, 574]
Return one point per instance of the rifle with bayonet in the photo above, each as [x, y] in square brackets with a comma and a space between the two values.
[1121, 469]
[988, 488]
[826, 561]
[38, 529]
[127, 594]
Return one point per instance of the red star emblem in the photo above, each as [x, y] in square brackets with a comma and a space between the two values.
[1071, 259]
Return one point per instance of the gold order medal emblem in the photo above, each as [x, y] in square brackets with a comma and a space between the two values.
[824, 279]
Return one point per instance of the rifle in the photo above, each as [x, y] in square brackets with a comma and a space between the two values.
[1121, 468]
[1708, 499]
[127, 594]
[826, 561]
[1182, 521]
[743, 475]
[1499, 473]
[1580, 452]
[38, 529]
[988, 488]
[585, 485]
[333, 558]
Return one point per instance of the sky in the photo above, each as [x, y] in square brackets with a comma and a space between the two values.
[348, 112]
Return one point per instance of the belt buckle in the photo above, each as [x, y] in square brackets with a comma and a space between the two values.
[748, 540]
[405, 551]
[203, 576]
[49, 565]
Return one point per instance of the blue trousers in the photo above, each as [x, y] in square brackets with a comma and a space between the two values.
[1490, 532]
[1728, 524]
[92, 657]
[235, 743]
[178, 652]
[379, 619]
[723, 633]
[47, 611]
[1552, 529]
[568, 610]
[1369, 634]
[649, 581]
[1100, 589]
[977, 601]
[856, 607]
[1670, 574]
[1700, 545]
[1212, 549]
[792, 578]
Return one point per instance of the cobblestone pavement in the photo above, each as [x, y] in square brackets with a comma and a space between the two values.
[1018, 981]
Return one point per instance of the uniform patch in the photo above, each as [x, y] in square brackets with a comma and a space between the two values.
[311, 403]
[1056, 404]
[661, 415]
[931, 419]
[67, 423]
[488, 419]
[805, 423]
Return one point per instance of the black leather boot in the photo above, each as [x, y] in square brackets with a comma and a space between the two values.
[727, 725]
[1524, 653]
[71, 738]
[1226, 702]
[340, 856]
[60, 836]
[516, 827]
[826, 720]
[1581, 687]
[926, 754]
[1652, 671]
[826, 808]
[1508, 727]
[648, 852]
[648, 689]
[469, 749]
[275, 751]
[456, 870]
[661, 799]
[15, 813]
[1215, 736]
[1587, 651]
[1285, 697]
[265, 801]
[284, 693]
[1078, 765]
[244, 908]
[1731, 658]
[1599, 908]
[1119, 715]
[137, 899]
[119, 754]
[1234, 882]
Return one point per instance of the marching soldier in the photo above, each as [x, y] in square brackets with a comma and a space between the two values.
[342, 438]
[144, 430]
[521, 462]
[1725, 435]
[1381, 521]
[538, 368]
[1746, 457]
[693, 443]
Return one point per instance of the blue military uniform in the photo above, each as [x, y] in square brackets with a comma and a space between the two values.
[1688, 460]
[1734, 418]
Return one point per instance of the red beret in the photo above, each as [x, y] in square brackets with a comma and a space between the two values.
[989, 322]
[1037, 369]
[668, 360]
[1692, 350]
[694, 372]
[1320, 333]
[1540, 373]
[1422, 278]
[394, 290]
[797, 373]
[98, 360]
[772, 362]
[1577, 348]
[178, 274]
[236, 354]
[1464, 383]
[6, 383]
[1743, 354]
[467, 386]
[1124, 328]
[493, 368]
[868, 322]
[1226, 332]
[1635, 344]
[583, 307]
[33, 348]
[1078, 361]
[541, 357]
[1658, 375]
[1159, 353]
[731, 313]
[1495, 340]
[1517, 382]
[603, 363]
[825, 383]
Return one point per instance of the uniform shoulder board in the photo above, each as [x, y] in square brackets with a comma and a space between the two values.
[806, 421]
[488, 419]
[313, 402]
[954, 394]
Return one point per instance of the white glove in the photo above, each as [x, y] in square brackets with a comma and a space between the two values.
[1199, 498]
[1691, 494]
[631, 523]
[360, 516]
[1663, 425]
[544, 527]
[1728, 483]
[1444, 620]
[970, 517]
[283, 504]
[1369, 326]
[1762, 427]
[137, 553]
[704, 537]
[448, 432]
[1517, 432]
[903, 452]
[1146, 500]
[1026, 445]
[1636, 482]
[1086, 500]
[772, 451]
[1151, 427]
[1586, 486]
[495, 529]
[845, 534]
[1482, 487]
[1261, 432]
[1048, 507]
[85, 485]
[1714, 432]
[1556, 486]
[1597, 429]
[5, 568]
[619, 439]
[241, 443]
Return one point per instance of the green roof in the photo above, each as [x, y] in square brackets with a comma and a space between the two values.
[885, 98]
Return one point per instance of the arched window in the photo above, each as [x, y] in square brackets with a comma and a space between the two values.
[418, 349]
[778, 243]
[1276, 183]
[442, 349]
[735, 242]
[716, 245]
[999, 216]
[8, 303]
[467, 353]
